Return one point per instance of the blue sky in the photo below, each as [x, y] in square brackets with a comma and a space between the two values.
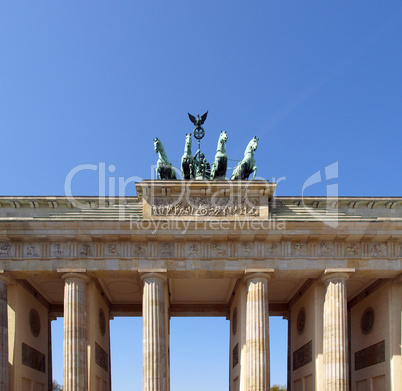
[94, 82]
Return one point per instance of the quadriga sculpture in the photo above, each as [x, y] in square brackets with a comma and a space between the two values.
[221, 159]
[247, 165]
[164, 169]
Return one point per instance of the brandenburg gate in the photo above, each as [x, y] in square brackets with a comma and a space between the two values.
[330, 266]
[203, 246]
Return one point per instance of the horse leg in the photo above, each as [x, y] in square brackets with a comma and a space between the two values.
[243, 171]
[235, 174]
[158, 171]
[183, 169]
[255, 171]
[191, 170]
[212, 176]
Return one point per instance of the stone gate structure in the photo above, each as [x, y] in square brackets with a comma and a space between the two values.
[332, 267]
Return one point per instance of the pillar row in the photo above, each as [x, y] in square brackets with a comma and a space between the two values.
[75, 333]
[335, 337]
[3, 334]
[257, 374]
[155, 354]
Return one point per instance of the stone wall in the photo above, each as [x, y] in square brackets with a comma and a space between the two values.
[28, 341]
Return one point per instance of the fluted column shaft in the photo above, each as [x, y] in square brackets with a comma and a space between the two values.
[75, 333]
[335, 333]
[154, 333]
[3, 335]
[257, 333]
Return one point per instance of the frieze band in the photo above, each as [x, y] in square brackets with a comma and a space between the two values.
[284, 249]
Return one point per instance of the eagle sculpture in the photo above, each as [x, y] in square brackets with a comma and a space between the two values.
[198, 121]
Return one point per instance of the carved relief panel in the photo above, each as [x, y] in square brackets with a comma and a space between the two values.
[218, 250]
[6, 250]
[326, 249]
[352, 249]
[32, 250]
[166, 250]
[60, 250]
[247, 249]
[299, 249]
[272, 249]
[378, 250]
[85, 250]
[139, 250]
[113, 249]
[192, 250]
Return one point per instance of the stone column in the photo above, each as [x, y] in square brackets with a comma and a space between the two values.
[75, 333]
[3, 334]
[257, 333]
[154, 356]
[289, 363]
[335, 337]
[49, 352]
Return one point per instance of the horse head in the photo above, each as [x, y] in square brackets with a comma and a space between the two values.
[187, 146]
[223, 136]
[156, 144]
[253, 144]
[222, 141]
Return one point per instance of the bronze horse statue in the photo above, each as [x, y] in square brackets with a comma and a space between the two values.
[221, 159]
[188, 162]
[247, 165]
[164, 169]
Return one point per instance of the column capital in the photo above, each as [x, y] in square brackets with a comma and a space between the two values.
[258, 273]
[286, 316]
[333, 274]
[161, 274]
[51, 317]
[75, 275]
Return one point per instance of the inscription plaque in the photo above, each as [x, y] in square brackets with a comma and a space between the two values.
[101, 358]
[197, 206]
[32, 358]
[303, 356]
[235, 355]
[372, 355]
